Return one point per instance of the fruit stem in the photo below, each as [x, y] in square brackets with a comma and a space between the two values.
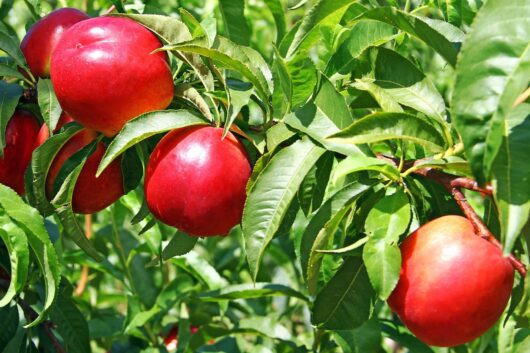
[83, 279]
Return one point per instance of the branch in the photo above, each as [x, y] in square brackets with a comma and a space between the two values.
[453, 184]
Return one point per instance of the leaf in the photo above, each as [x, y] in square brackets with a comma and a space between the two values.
[10, 45]
[9, 96]
[271, 195]
[347, 300]
[239, 98]
[313, 188]
[493, 70]
[303, 78]
[188, 93]
[278, 13]
[235, 23]
[416, 27]
[16, 243]
[62, 201]
[364, 339]
[180, 244]
[8, 71]
[71, 325]
[8, 324]
[231, 56]
[42, 159]
[524, 346]
[457, 12]
[389, 217]
[249, 291]
[333, 104]
[319, 12]
[354, 164]
[29, 219]
[200, 268]
[323, 225]
[388, 126]
[407, 85]
[311, 120]
[383, 263]
[141, 319]
[404, 338]
[48, 103]
[143, 127]
[383, 99]
[511, 174]
[362, 35]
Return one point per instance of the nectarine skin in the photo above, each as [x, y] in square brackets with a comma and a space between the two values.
[454, 285]
[195, 180]
[104, 73]
[91, 194]
[39, 42]
[21, 134]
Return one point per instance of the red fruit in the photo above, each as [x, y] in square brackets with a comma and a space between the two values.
[44, 132]
[41, 39]
[454, 285]
[104, 73]
[171, 340]
[91, 194]
[21, 134]
[195, 180]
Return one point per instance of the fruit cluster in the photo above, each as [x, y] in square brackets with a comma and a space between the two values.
[106, 71]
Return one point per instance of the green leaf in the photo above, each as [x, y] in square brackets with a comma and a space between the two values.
[333, 104]
[276, 8]
[402, 81]
[8, 324]
[231, 56]
[416, 27]
[62, 201]
[71, 325]
[511, 174]
[29, 219]
[188, 93]
[8, 71]
[235, 23]
[200, 268]
[457, 12]
[41, 161]
[271, 196]
[524, 346]
[353, 164]
[389, 217]
[323, 225]
[239, 98]
[9, 96]
[48, 103]
[362, 35]
[249, 291]
[16, 243]
[383, 263]
[364, 339]
[180, 244]
[318, 13]
[11, 47]
[311, 120]
[141, 319]
[347, 300]
[313, 188]
[143, 127]
[388, 126]
[404, 338]
[303, 78]
[493, 70]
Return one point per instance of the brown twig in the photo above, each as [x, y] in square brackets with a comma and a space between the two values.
[83, 279]
[453, 184]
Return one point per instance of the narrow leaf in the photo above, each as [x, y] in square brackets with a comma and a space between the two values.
[48, 103]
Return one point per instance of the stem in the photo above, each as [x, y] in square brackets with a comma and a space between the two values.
[109, 10]
[522, 98]
[453, 184]
[81, 285]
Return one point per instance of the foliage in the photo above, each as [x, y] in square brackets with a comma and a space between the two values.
[318, 91]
